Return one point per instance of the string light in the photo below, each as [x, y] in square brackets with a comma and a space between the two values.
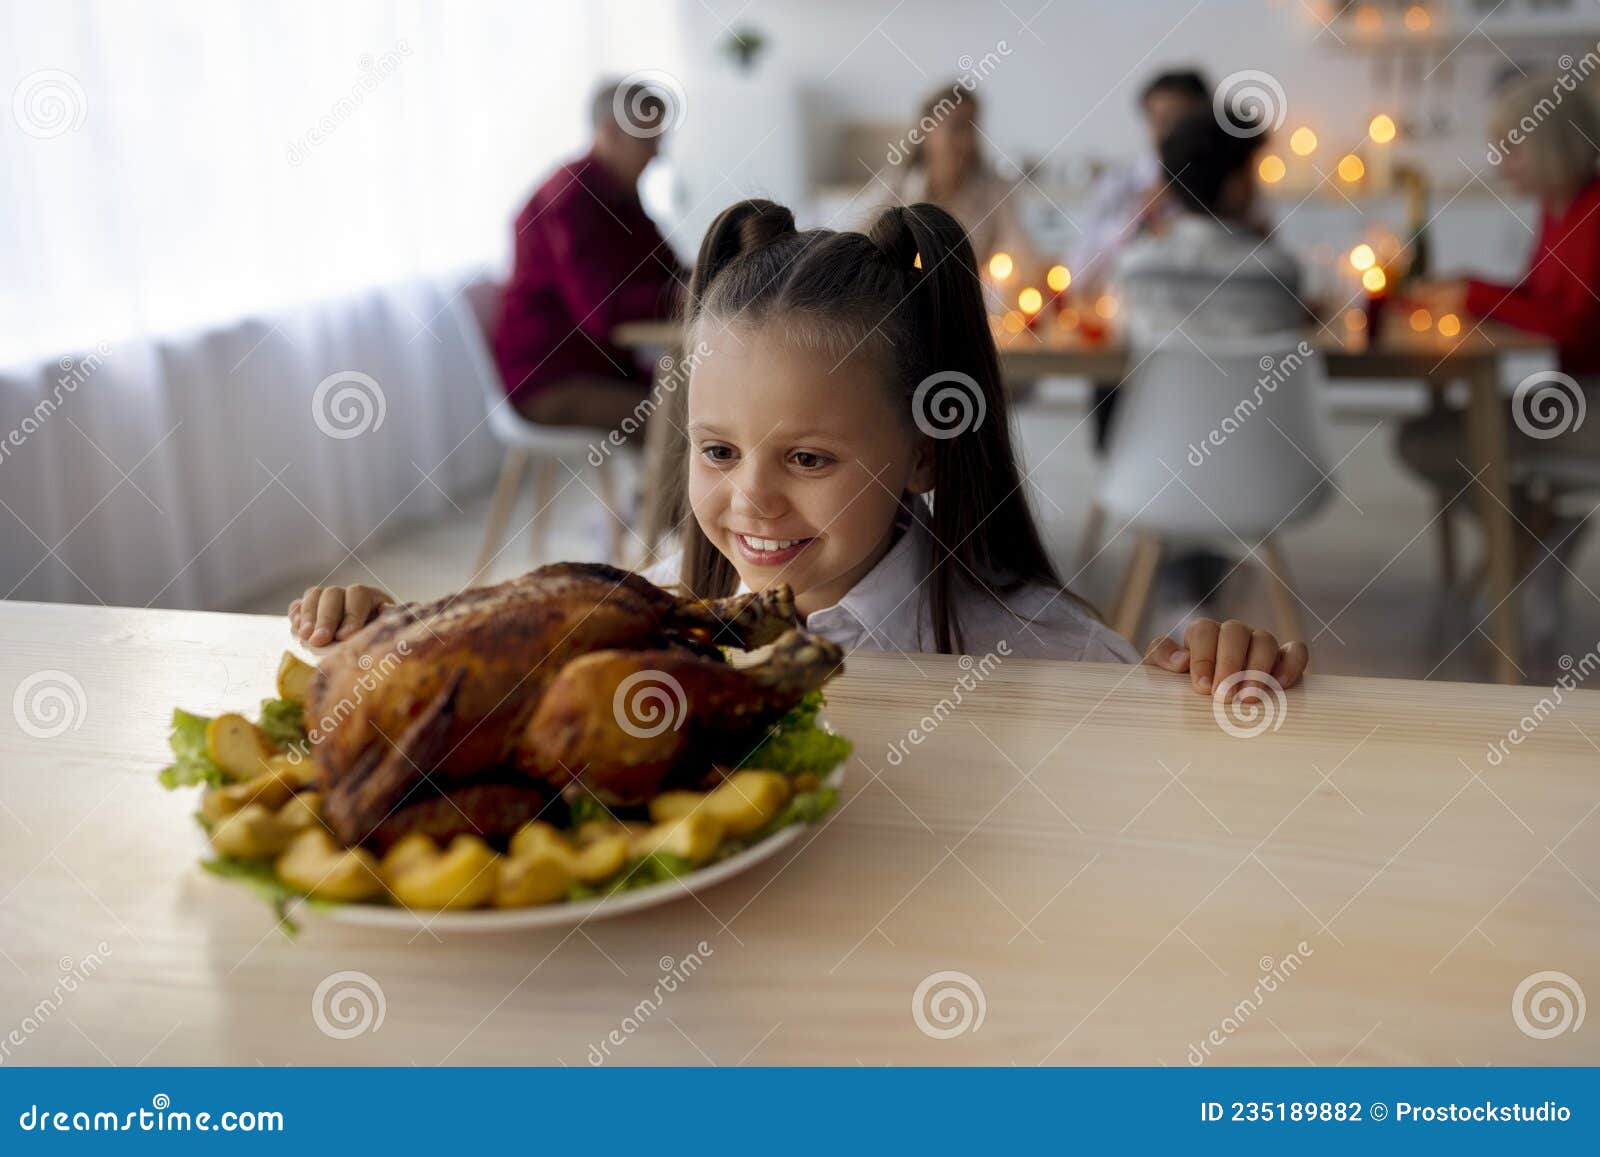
[1362, 257]
[1272, 168]
[1303, 142]
[1000, 266]
[1351, 168]
[1058, 278]
[1381, 129]
[1030, 300]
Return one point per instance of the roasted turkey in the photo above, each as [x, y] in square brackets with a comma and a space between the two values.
[471, 713]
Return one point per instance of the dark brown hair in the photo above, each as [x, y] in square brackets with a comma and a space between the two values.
[906, 293]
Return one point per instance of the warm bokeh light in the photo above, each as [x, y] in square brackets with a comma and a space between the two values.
[1381, 128]
[1374, 280]
[1362, 257]
[1068, 318]
[1355, 320]
[1106, 306]
[1351, 167]
[1013, 321]
[1058, 278]
[1418, 19]
[1449, 325]
[1368, 19]
[1000, 266]
[1421, 320]
[1030, 300]
[1272, 168]
[916, 261]
[1303, 142]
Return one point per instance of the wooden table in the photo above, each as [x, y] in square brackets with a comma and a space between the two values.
[1083, 843]
[1474, 358]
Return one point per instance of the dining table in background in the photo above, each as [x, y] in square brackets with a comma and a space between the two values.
[1473, 358]
[1032, 862]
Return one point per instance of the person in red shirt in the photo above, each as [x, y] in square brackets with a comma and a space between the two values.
[587, 258]
[1548, 148]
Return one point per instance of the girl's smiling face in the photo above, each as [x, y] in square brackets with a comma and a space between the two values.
[796, 465]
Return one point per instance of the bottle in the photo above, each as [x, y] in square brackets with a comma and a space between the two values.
[1416, 246]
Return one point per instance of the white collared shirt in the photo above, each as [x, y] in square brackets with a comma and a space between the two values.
[888, 610]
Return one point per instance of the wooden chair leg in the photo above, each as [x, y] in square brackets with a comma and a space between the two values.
[505, 497]
[1447, 543]
[606, 488]
[1285, 608]
[1136, 585]
[1090, 540]
[544, 493]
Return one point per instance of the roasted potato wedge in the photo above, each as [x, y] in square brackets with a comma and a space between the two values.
[318, 866]
[294, 677]
[302, 772]
[694, 837]
[524, 882]
[598, 859]
[671, 805]
[462, 876]
[747, 799]
[302, 811]
[270, 790]
[408, 852]
[238, 746]
[251, 833]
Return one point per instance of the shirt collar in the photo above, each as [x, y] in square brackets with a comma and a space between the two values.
[891, 589]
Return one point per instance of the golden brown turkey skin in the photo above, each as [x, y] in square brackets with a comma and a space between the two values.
[508, 640]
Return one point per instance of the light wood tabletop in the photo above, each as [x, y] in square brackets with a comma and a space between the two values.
[1473, 357]
[1070, 863]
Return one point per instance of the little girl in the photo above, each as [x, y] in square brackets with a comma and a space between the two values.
[848, 434]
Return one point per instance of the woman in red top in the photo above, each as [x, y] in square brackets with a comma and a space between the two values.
[1548, 146]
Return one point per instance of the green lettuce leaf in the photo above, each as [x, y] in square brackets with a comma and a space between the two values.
[284, 722]
[796, 744]
[192, 765]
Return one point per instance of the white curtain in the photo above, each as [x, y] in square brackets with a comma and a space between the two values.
[207, 209]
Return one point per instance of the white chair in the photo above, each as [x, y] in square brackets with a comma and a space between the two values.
[1215, 441]
[548, 447]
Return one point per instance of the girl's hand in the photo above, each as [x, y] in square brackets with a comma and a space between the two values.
[1213, 651]
[326, 614]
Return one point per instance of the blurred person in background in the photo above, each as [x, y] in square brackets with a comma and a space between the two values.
[1128, 200]
[946, 166]
[587, 258]
[1209, 273]
[1554, 163]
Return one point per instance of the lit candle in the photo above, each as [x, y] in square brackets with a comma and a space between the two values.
[1000, 266]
